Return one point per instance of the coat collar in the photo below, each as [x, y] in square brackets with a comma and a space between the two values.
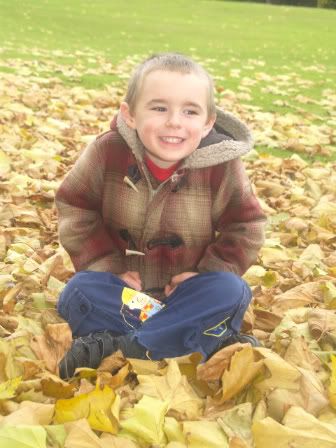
[230, 138]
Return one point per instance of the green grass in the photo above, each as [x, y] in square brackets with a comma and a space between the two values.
[225, 36]
[209, 29]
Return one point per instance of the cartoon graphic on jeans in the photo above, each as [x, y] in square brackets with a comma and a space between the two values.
[136, 300]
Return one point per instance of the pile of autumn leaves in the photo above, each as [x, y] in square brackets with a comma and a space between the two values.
[283, 394]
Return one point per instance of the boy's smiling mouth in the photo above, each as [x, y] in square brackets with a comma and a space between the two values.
[172, 139]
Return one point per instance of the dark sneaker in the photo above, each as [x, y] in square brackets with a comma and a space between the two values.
[89, 351]
[243, 339]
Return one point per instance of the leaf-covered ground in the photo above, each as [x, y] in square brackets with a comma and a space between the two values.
[283, 394]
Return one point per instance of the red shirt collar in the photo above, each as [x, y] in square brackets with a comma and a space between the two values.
[159, 173]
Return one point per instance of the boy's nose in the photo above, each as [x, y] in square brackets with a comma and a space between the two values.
[174, 120]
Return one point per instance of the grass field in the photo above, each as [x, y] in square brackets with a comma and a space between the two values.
[269, 54]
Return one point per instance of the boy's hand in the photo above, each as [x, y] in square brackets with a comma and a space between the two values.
[132, 278]
[176, 280]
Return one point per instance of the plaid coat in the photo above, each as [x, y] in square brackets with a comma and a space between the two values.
[113, 216]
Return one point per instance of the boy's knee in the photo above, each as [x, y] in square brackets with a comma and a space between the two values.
[77, 283]
[230, 284]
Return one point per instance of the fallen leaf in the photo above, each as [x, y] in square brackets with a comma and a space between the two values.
[30, 413]
[53, 386]
[52, 346]
[332, 386]
[174, 389]
[302, 295]
[299, 429]
[213, 368]
[236, 423]
[147, 421]
[205, 433]
[4, 164]
[80, 435]
[243, 369]
[8, 389]
[23, 436]
[95, 406]
[56, 435]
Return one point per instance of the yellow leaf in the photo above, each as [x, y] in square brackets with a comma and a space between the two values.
[4, 163]
[268, 433]
[299, 419]
[7, 350]
[204, 434]
[144, 366]
[104, 419]
[173, 388]
[253, 276]
[147, 421]
[325, 210]
[270, 279]
[111, 441]
[99, 421]
[283, 374]
[243, 369]
[300, 429]
[6, 281]
[22, 436]
[260, 411]
[56, 435]
[236, 423]
[8, 389]
[332, 386]
[174, 445]
[273, 255]
[95, 406]
[173, 430]
[329, 295]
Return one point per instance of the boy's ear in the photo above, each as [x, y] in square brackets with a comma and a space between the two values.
[126, 114]
[209, 125]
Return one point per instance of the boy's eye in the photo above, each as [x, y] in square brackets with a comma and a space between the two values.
[190, 112]
[159, 108]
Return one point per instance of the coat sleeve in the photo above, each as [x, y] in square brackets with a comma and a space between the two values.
[81, 228]
[238, 221]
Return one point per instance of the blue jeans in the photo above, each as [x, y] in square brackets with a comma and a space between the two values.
[201, 312]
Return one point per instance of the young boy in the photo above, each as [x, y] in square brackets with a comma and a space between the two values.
[159, 204]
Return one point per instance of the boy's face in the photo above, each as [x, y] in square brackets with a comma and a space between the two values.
[170, 116]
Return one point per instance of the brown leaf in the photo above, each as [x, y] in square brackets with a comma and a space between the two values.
[53, 386]
[298, 354]
[302, 295]
[10, 298]
[266, 320]
[322, 323]
[10, 323]
[213, 369]
[52, 346]
[113, 363]
[106, 378]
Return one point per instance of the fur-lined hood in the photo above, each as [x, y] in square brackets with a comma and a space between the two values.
[230, 138]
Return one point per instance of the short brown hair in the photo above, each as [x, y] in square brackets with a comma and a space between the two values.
[174, 62]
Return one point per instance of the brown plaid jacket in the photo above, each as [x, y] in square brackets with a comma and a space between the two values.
[114, 217]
